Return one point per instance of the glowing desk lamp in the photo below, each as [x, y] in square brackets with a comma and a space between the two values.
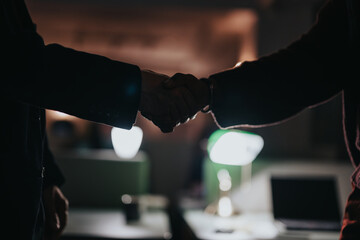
[231, 147]
[126, 143]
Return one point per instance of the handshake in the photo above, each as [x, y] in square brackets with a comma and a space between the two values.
[170, 101]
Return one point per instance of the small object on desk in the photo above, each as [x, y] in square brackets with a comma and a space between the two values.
[131, 208]
[224, 230]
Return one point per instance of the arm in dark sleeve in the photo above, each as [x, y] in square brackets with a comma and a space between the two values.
[85, 85]
[52, 173]
[275, 87]
[90, 86]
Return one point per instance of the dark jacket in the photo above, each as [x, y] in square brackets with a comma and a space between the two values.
[34, 77]
[324, 62]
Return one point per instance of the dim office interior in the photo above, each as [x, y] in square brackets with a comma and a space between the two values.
[144, 184]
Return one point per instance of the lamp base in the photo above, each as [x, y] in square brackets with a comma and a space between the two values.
[222, 208]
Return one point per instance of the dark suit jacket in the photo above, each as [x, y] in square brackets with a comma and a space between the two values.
[34, 77]
[324, 62]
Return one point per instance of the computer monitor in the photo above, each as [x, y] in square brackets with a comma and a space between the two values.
[306, 202]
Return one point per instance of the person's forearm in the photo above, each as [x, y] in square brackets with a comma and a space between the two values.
[91, 86]
[81, 84]
[276, 87]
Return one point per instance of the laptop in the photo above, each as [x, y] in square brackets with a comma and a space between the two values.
[306, 203]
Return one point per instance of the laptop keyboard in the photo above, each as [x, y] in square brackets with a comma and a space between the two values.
[311, 225]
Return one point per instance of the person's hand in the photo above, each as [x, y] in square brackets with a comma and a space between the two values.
[56, 208]
[198, 89]
[164, 107]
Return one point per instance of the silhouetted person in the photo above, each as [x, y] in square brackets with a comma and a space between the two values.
[36, 76]
[323, 63]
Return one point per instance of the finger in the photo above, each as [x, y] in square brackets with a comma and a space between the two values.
[170, 82]
[179, 80]
[167, 108]
[181, 105]
[192, 104]
[62, 212]
[179, 84]
[199, 89]
[161, 109]
[153, 117]
[52, 219]
[156, 106]
[163, 122]
[149, 106]
[52, 226]
[167, 129]
[164, 126]
[175, 112]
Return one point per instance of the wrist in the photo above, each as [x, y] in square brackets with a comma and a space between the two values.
[210, 86]
[144, 82]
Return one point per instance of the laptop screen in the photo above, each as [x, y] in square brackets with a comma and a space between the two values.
[305, 198]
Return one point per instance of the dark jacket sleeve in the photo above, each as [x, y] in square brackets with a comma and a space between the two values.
[90, 86]
[276, 87]
[52, 173]
[85, 85]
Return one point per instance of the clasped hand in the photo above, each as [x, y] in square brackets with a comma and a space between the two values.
[170, 101]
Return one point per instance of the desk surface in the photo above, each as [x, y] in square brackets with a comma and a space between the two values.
[249, 226]
[112, 224]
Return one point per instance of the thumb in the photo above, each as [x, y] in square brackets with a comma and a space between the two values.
[169, 83]
[51, 215]
[54, 221]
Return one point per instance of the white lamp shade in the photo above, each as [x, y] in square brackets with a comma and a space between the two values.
[235, 147]
[126, 143]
